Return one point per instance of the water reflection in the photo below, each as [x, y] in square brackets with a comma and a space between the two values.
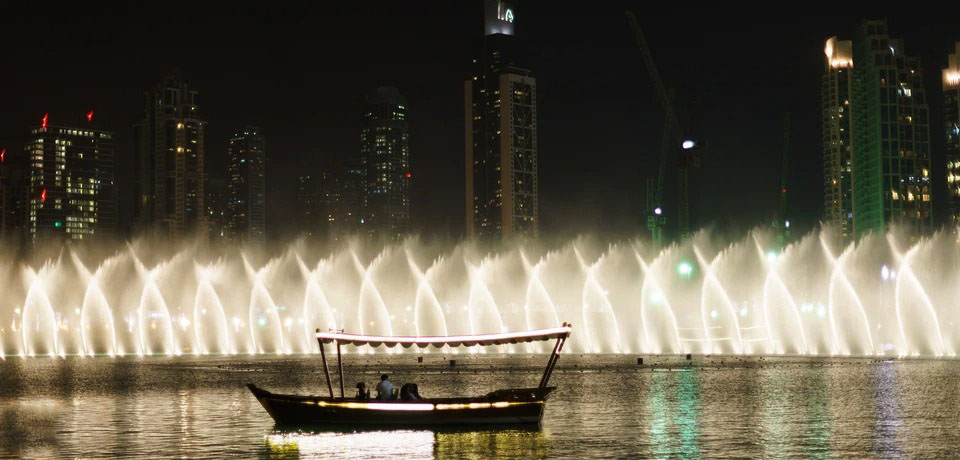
[886, 436]
[817, 416]
[495, 442]
[688, 413]
[197, 407]
[674, 400]
[775, 414]
[366, 444]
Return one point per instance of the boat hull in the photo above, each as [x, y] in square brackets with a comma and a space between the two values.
[507, 407]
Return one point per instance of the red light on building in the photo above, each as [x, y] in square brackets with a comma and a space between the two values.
[408, 174]
[43, 196]
[3, 155]
[43, 123]
[90, 116]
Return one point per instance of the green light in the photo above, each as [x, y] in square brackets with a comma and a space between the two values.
[58, 224]
[684, 269]
[772, 256]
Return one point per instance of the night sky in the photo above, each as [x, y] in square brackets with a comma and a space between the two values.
[300, 74]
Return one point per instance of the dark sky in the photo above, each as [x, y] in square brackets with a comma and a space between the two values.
[300, 74]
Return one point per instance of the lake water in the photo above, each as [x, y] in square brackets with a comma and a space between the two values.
[605, 407]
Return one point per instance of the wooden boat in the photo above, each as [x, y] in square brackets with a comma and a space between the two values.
[507, 406]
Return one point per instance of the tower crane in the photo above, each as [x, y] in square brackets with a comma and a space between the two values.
[674, 141]
[781, 224]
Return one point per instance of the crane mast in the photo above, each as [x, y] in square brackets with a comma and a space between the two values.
[673, 140]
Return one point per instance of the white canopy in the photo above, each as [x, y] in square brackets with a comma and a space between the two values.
[440, 341]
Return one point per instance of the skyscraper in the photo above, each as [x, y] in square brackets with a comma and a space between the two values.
[331, 201]
[500, 119]
[13, 193]
[4, 193]
[385, 160]
[170, 147]
[308, 203]
[71, 190]
[216, 203]
[951, 115]
[890, 135]
[837, 164]
[341, 199]
[246, 185]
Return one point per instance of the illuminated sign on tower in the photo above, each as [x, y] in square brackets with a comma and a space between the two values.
[499, 17]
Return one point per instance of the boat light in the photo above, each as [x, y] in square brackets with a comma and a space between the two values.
[416, 406]
[374, 406]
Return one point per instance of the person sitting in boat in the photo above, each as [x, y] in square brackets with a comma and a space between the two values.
[384, 389]
[363, 393]
[409, 392]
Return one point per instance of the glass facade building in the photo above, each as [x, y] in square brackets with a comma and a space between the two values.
[951, 115]
[890, 135]
[500, 124]
[385, 161]
[71, 191]
[170, 152]
[246, 186]
[837, 164]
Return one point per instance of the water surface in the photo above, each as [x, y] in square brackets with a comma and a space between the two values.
[606, 407]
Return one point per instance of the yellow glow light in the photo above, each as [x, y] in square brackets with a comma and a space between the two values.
[418, 406]
[951, 77]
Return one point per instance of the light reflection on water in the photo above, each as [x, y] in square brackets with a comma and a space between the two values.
[407, 444]
[606, 407]
[372, 444]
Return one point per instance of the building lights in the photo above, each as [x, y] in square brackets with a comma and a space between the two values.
[951, 78]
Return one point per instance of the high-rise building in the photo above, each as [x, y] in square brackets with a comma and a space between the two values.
[501, 134]
[837, 163]
[170, 148]
[246, 185]
[385, 159]
[13, 194]
[4, 193]
[890, 135]
[341, 199]
[951, 115]
[216, 203]
[308, 202]
[71, 190]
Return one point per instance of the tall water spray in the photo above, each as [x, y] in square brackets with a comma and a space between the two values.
[885, 295]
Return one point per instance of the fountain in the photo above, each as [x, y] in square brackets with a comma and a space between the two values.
[885, 295]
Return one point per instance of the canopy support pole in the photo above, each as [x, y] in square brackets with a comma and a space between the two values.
[555, 359]
[326, 371]
[340, 366]
[552, 361]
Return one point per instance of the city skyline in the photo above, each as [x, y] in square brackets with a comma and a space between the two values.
[592, 171]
